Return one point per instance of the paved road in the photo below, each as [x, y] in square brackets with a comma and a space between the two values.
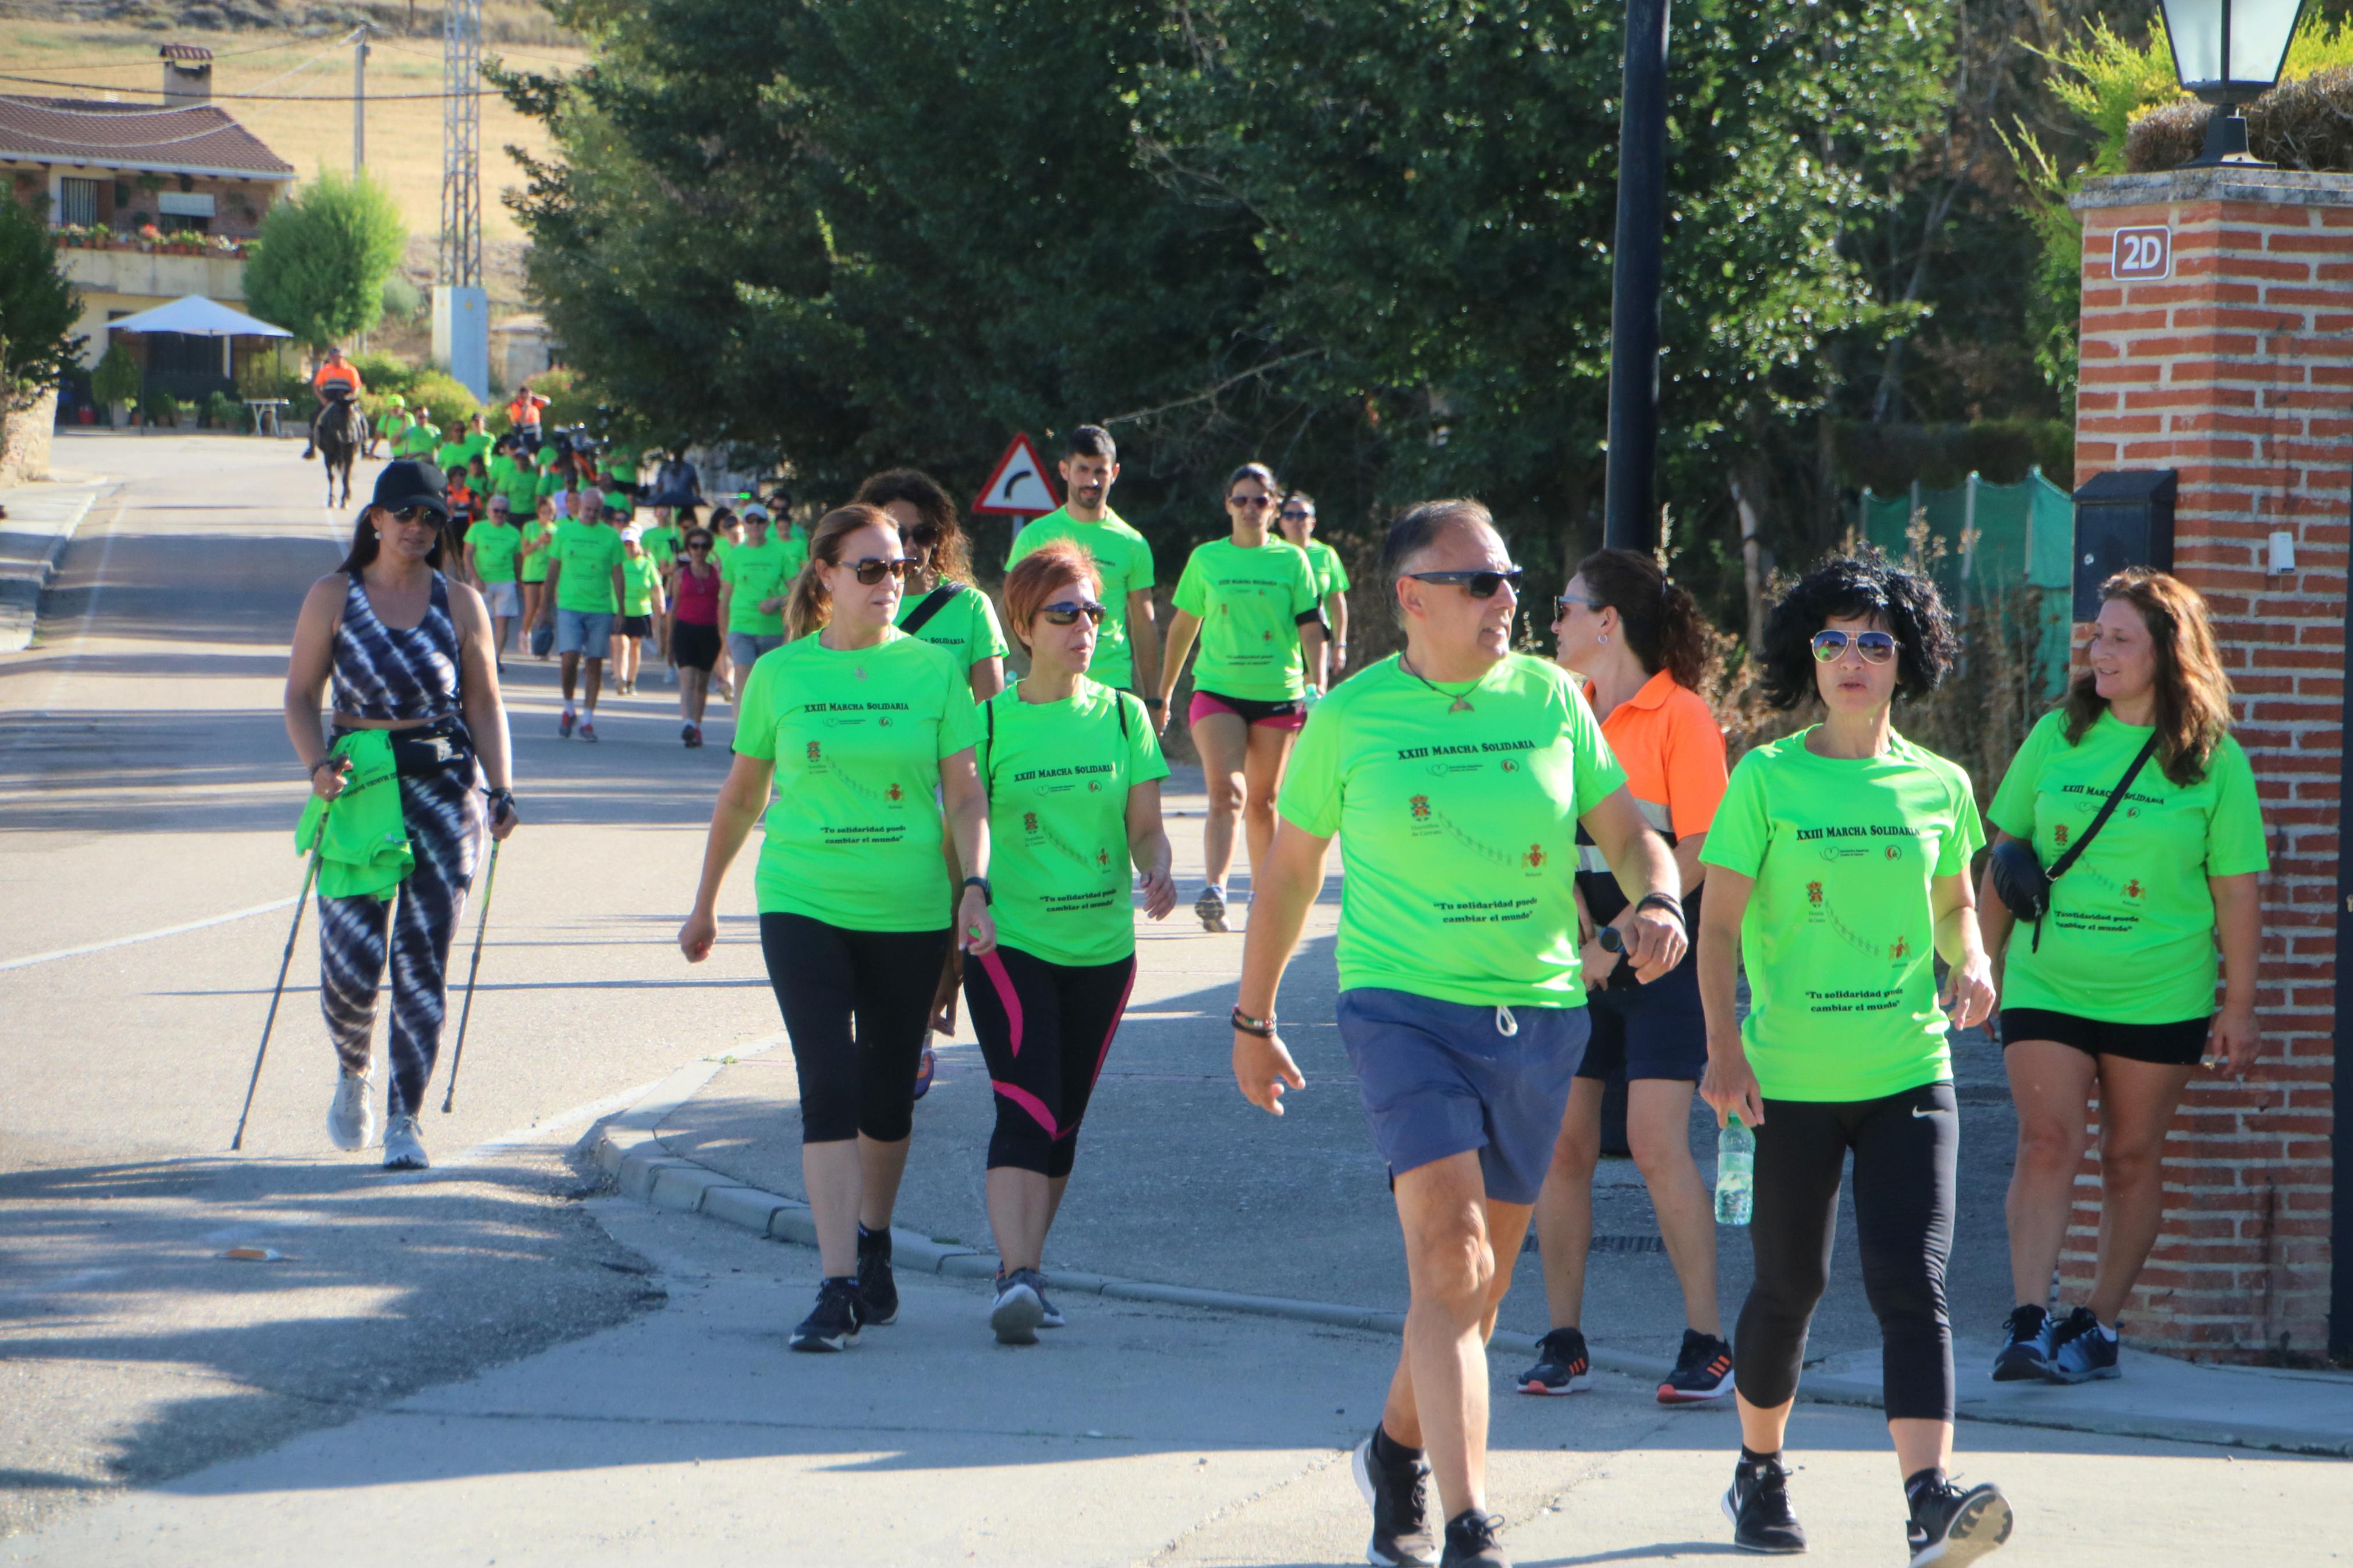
[146, 784]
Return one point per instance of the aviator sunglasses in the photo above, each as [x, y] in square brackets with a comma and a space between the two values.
[1064, 612]
[1876, 647]
[1478, 584]
[870, 571]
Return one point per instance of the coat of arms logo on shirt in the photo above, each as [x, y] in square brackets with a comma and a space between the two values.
[894, 795]
[1534, 856]
[1902, 949]
[1421, 804]
[1814, 894]
[812, 751]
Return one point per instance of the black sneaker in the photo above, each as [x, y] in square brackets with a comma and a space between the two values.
[1703, 1371]
[876, 1288]
[2080, 1352]
[1471, 1541]
[2025, 1353]
[833, 1323]
[1757, 1503]
[1397, 1495]
[1952, 1526]
[1562, 1364]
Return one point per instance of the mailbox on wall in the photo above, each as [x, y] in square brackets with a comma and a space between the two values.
[2123, 518]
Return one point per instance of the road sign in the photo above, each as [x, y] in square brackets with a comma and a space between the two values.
[1018, 486]
[2142, 255]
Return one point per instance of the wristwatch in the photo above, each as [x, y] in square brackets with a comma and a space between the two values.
[987, 894]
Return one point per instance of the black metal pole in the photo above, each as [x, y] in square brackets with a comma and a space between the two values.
[2340, 1132]
[1630, 514]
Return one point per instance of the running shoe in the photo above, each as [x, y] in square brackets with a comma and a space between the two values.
[351, 1119]
[686, 736]
[1703, 1371]
[1053, 1317]
[404, 1147]
[1757, 1503]
[1018, 1310]
[1397, 1495]
[924, 1069]
[877, 1290]
[1471, 1541]
[1562, 1365]
[2025, 1353]
[1211, 907]
[563, 725]
[2080, 1352]
[834, 1322]
[695, 737]
[589, 731]
[1952, 1525]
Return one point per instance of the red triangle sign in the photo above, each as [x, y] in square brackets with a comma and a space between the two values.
[1018, 486]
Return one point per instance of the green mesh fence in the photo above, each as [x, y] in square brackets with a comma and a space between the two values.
[1984, 541]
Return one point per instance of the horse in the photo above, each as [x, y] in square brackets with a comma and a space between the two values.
[343, 432]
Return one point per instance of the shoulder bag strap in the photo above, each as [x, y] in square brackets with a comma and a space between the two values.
[934, 603]
[2107, 808]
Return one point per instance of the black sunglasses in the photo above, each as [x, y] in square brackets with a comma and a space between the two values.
[1562, 604]
[870, 571]
[413, 515]
[1293, 514]
[1478, 584]
[698, 544]
[1876, 647]
[923, 535]
[1066, 612]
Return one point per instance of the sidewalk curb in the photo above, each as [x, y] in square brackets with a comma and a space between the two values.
[627, 1146]
[20, 591]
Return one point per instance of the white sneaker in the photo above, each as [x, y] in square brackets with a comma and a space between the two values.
[1018, 1314]
[403, 1149]
[351, 1120]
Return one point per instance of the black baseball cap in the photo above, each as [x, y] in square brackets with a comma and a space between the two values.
[408, 483]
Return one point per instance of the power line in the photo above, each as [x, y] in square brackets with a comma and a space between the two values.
[150, 65]
[242, 97]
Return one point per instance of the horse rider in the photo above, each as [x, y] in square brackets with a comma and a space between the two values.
[337, 372]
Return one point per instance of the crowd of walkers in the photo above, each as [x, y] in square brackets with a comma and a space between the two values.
[1525, 842]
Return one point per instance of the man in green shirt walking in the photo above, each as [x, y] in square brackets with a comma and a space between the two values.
[752, 583]
[583, 596]
[1127, 652]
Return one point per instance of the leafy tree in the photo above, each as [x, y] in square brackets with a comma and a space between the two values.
[323, 259]
[116, 379]
[37, 311]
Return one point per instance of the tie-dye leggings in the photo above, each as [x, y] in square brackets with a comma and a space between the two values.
[446, 830]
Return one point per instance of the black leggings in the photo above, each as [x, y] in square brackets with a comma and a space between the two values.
[1905, 1148]
[1045, 1029]
[857, 1005]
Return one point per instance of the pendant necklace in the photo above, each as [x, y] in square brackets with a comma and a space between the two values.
[1461, 703]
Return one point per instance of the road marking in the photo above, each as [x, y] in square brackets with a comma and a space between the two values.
[145, 935]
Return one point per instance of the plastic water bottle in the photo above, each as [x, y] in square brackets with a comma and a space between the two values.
[1736, 1172]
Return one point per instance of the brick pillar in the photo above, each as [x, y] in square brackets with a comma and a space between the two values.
[2236, 370]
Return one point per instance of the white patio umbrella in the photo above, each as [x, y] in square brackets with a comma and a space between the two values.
[195, 316]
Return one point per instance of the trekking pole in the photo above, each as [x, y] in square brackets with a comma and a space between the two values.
[458, 1056]
[276, 991]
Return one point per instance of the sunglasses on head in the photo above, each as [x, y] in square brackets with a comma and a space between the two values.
[870, 571]
[1066, 612]
[1478, 584]
[1876, 647]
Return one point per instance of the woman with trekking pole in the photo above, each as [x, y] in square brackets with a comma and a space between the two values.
[409, 656]
[851, 725]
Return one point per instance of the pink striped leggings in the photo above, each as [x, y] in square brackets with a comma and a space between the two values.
[1045, 1029]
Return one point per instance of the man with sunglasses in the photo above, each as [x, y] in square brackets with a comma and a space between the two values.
[754, 580]
[1128, 652]
[1455, 776]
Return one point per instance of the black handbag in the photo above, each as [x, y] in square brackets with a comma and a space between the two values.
[2019, 879]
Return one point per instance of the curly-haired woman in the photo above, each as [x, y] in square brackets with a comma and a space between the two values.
[2114, 988]
[1839, 870]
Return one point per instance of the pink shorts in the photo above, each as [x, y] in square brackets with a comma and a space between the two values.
[1288, 714]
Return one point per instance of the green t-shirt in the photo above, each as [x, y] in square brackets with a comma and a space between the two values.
[1458, 829]
[1839, 940]
[754, 574]
[621, 464]
[2130, 935]
[1331, 577]
[496, 545]
[661, 544]
[478, 444]
[586, 554]
[853, 836]
[1249, 602]
[534, 565]
[418, 440]
[1125, 562]
[966, 626]
[1058, 775]
[639, 575]
[451, 455]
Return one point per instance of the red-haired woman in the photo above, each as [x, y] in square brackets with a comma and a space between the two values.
[2112, 989]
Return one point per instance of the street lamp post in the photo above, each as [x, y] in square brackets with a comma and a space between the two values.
[2227, 52]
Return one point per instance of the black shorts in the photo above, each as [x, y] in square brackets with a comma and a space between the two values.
[633, 626]
[693, 647]
[2165, 1045]
[1647, 1031]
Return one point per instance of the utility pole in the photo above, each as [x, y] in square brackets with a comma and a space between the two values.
[461, 318]
[359, 99]
[1629, 509]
